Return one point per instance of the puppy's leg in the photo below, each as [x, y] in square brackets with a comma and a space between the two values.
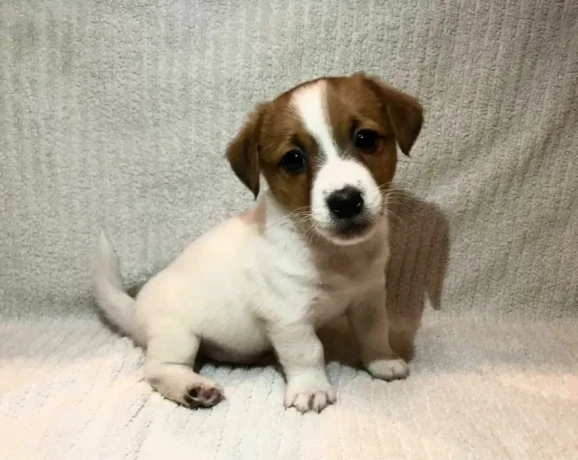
[168, 369]
[370, 325]
[301, 356]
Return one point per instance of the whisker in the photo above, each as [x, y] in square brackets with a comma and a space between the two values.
[389, 213]
[295, 213]
[403, 198]
[398, 204]
[404, 159]
[390, 188]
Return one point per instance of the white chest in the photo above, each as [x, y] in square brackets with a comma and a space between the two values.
[300, 279]
[326, 306]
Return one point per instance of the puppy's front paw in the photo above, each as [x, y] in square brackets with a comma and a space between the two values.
[388, 369]
[309, 396]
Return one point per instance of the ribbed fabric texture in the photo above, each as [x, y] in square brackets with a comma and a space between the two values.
[117, 114]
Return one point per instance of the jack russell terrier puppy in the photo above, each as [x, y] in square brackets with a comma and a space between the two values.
[314, 247]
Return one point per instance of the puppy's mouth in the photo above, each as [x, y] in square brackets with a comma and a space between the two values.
[353, 229]
[349, 232]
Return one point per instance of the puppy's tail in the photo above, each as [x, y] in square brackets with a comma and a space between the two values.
[112, 299]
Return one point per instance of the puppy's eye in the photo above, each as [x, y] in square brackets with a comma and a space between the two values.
[366, 140]
[293, 161]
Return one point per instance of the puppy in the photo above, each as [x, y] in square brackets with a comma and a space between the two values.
[314, 246]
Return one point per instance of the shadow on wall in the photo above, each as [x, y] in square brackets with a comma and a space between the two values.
[419, 243]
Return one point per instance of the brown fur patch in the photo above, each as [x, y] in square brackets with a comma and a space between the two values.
[243, 151]
[404, 113]
[282, 131]
[353, 106]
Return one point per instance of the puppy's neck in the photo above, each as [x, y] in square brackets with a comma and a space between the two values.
[278, 222]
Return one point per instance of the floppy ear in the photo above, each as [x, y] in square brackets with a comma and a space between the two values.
[405, 112]
[243, 151]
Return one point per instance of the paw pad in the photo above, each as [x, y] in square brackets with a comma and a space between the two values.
[202, 396]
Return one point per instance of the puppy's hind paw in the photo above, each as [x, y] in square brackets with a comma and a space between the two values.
[388, 369]
[203, 395]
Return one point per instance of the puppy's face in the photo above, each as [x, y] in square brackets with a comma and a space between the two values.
[327, 149]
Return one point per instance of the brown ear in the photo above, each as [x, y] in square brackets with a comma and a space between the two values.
[243, 151]
[405, 113]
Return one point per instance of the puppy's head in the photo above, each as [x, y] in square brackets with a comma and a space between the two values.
[327, 149]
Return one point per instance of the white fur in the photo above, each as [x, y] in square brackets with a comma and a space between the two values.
[254, 283]
[310, 101]
[335, 170]
[117, 305]
[335, 175]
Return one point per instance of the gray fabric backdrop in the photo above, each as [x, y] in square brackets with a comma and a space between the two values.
[117, 113]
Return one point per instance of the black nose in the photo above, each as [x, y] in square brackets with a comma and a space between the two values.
[345, 203]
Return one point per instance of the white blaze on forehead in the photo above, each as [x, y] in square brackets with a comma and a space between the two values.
[310, 102]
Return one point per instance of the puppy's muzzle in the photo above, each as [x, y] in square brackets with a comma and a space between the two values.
[349, 213]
